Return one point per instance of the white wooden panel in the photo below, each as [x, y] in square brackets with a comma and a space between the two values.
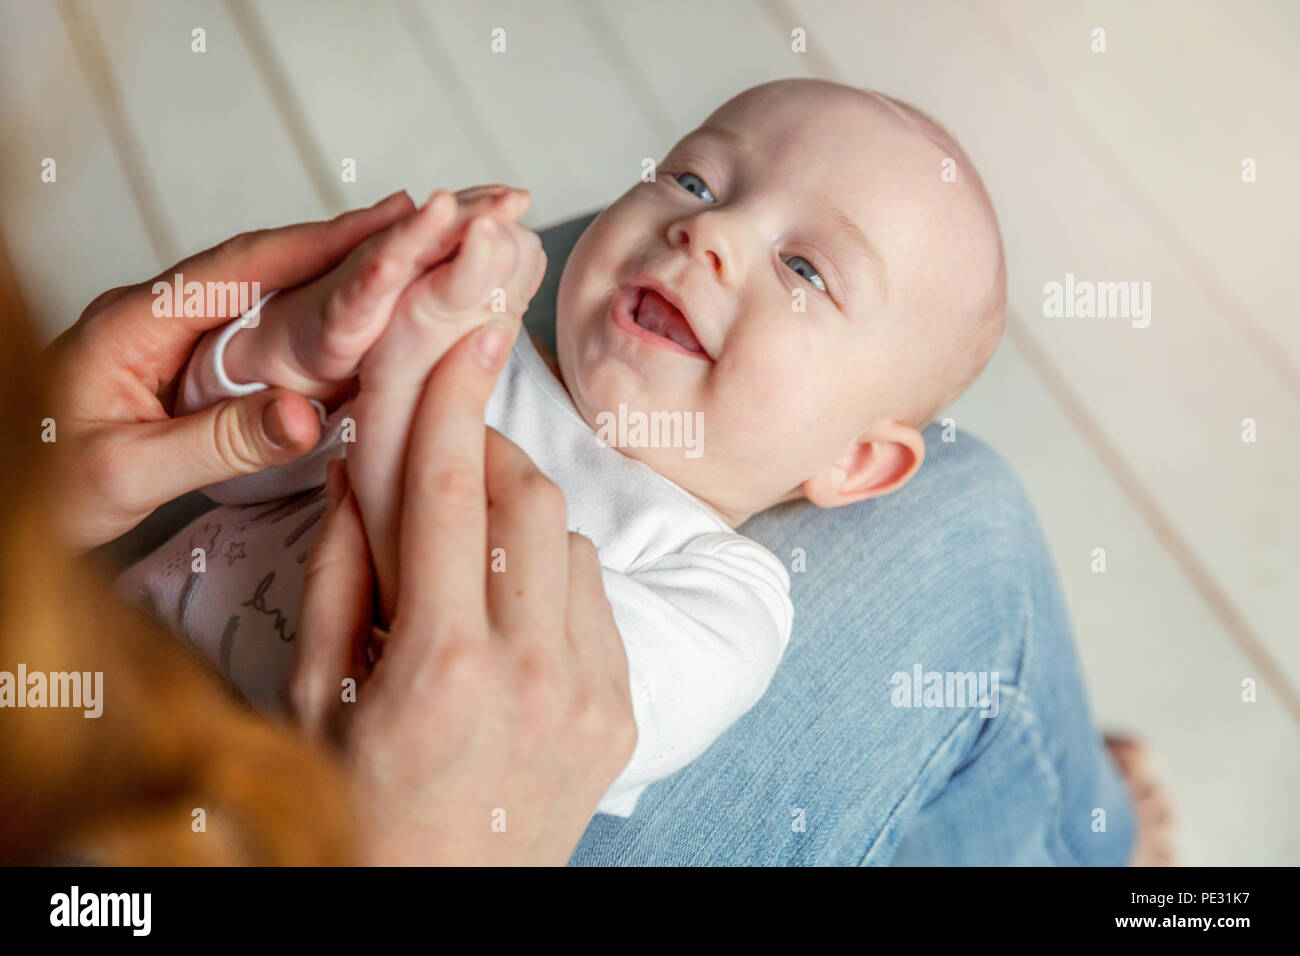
[566, 125]
[71, 239]
[691, 57]
[364, 84]
[211, 139]
[1184, 92]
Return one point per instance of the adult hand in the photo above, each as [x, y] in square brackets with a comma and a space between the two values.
[113, 376]
[499, 712]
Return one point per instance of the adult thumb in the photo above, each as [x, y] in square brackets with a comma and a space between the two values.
[238, 436]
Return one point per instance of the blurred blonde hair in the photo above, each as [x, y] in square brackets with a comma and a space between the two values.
[122, 788]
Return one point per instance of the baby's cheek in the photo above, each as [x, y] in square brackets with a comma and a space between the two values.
[778, 395]
[768, 366]
[758, 405]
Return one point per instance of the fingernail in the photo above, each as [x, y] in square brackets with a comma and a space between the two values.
[389, 198]
[492, 343]
[275, 425]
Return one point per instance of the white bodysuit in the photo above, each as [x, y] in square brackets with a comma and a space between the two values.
[704, 612]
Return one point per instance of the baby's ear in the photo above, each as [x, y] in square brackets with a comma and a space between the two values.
[881, 460]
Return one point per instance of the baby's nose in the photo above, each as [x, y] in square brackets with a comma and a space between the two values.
[684, 239]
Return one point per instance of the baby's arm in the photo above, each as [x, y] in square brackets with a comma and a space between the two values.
[493, 278]
[312, 338]
[704, 631]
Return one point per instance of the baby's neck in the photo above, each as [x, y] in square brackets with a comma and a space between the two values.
[550, 358]
[732, 520]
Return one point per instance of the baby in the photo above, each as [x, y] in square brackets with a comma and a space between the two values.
[812, 274]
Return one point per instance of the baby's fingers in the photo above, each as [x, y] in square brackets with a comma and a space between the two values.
[532, 264]
[505, 260]
[423, 237]
[430, 234]
[527, 270]
[502, 203]
[474, 270]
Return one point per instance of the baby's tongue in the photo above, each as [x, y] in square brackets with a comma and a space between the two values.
[661, 317]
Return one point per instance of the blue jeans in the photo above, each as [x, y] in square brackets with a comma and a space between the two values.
[950, 575]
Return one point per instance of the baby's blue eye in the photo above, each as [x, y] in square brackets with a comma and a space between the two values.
[806, 270]
[695, 186]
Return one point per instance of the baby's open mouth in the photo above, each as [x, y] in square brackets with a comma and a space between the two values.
[657, 315]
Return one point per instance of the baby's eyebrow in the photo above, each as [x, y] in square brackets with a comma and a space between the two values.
[848, 230]
[729, 136]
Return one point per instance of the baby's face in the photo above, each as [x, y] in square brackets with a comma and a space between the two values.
[767, 281]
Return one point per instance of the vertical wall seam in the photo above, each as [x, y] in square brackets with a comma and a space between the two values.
[88, 46]
[280, 93]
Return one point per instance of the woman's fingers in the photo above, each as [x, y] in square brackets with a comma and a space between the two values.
[166, 459]
[528, 554]
[466, 244]
[501, 204]
[486, 189]
[277, 258]
[150, 463]
[423, 237]
[337, 609]
[591, 629]
[601, 663]
[442, 553]
[285, 256]
[503, 201]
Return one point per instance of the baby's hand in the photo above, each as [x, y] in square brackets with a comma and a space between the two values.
[312, 338]
[491, 277]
